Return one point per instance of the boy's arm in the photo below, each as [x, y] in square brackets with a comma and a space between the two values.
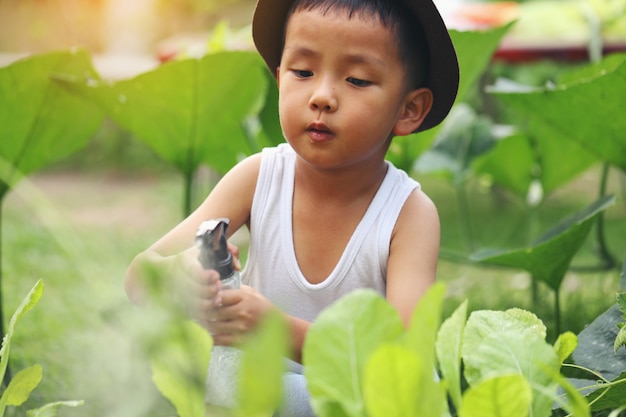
[413, 254]
[231, 198]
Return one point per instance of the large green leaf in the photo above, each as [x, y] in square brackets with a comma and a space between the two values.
[586, 109]
[394, 384]
[549, 257]
[596, 342]
[338, 346]
[474, 50]
[41, 123]
[190, 112]
[508, 342]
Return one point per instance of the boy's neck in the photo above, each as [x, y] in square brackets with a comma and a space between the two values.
[340, 184]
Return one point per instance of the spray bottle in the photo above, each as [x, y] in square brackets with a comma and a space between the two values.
[222, 377]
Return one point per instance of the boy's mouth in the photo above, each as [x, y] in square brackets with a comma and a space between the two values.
[319, 128]
[319, 132]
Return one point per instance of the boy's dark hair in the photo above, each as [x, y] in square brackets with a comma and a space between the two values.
[393, 15]
[425, 43]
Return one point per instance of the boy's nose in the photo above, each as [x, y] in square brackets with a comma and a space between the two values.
[323, 98]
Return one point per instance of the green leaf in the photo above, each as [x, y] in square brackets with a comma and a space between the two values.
[262, 368]
[565, 345]
[179, 366]
[510, 163]
[339, 344]
[269, 113]
[191, 112]
[595, 349]
[28, 302]
[52, 409]
[394, 384]
[549, 257]
[505, 395]
[420, 337]
[425, 320]
[609, 396]
[448, 346]
[499, 343]
[598, 128]
[474, 52]
[40, 123]
[20, 387]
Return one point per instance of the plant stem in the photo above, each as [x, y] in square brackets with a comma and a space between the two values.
[607, 259]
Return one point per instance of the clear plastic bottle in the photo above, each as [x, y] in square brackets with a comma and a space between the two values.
[222, 377]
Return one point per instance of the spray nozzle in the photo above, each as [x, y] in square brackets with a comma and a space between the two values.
[214, 254]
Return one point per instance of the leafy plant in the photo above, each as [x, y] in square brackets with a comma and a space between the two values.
[24, 382]
[494, 363]
[583, 132]
[357, 354]
[191, 111]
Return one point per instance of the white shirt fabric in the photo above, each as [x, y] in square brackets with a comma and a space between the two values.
[272, 267]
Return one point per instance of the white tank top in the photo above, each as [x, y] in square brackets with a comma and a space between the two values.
[272, 268]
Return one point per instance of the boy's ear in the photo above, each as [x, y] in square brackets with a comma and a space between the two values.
[417, 105]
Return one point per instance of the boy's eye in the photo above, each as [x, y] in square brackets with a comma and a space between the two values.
[358, 83]
[303, 73]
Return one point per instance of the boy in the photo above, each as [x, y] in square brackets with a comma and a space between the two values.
[326, 213]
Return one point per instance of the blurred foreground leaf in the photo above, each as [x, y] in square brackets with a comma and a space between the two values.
[179, 366]
[338, 346]
[262, 368]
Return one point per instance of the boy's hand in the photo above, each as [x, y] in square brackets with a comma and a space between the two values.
[240, 312]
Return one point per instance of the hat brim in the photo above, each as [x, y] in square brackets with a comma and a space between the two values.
[268, 25]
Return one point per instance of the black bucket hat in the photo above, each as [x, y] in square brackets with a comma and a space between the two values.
[443, 74]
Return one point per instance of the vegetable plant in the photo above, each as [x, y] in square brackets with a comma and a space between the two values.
[359, 361]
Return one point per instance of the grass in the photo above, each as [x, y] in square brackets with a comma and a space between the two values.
[79, 232]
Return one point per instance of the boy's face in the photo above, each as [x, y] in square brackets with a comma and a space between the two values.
[342, 88]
